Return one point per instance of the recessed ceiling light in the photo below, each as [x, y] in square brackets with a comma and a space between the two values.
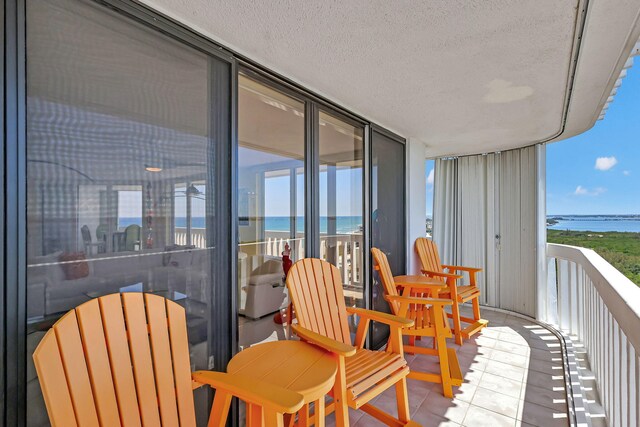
[152, 168]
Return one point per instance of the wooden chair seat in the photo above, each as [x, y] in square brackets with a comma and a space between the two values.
[465, 293]
[450, 274]
[429, 320]
[315, 288]
[123, 359]
[367, 368]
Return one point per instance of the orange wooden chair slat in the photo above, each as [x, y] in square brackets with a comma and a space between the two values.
[429, 321]
[315, 288]
[123, 359]
[427, 251]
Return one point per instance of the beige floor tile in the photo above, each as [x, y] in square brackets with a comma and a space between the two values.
[505, 370]
[541, 416]
[465, 392]
[509, 347]
[544, 396]
[510, 358]
[500, 384]
[478, 417]
[450, 409]
[496, 402]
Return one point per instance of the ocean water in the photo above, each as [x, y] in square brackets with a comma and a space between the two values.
[344, 224]
[596, 223]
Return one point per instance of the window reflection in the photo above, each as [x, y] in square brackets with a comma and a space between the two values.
[341, 203]
[270, 205]
[119, 153]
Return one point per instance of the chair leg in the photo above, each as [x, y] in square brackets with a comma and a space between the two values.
[272, 418]
[457, 330]
[319, 412]
[476, 309]
[340, 395]
[220, 409]
[402, 398]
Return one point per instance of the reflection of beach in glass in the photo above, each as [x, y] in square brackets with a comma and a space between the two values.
[344, 224]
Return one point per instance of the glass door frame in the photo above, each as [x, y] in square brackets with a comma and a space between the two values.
[373, 129]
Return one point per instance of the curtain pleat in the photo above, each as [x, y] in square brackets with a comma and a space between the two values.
[484, 215]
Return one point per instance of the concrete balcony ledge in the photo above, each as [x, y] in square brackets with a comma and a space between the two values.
[514, 375]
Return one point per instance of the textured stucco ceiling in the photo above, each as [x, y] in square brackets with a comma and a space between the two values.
[463, 76]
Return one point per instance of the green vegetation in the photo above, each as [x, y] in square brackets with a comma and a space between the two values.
[622, 250]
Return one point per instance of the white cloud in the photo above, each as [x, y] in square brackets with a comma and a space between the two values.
[430, 177]
[582, 191]
[605, 163]
[626, 173]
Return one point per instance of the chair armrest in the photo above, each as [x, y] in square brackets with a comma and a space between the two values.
[458, 268]
[421, 301]
[326, 343]
[251, 390]
[378, 316]
[428, 286]
[445, 275]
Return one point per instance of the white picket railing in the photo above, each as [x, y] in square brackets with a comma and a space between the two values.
[198, 237]
[591, 300]
[344, 249]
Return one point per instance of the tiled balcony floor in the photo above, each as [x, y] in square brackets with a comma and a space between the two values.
[513, 376]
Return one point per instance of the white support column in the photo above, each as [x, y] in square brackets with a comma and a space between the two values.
[542, 285]
[416, 202]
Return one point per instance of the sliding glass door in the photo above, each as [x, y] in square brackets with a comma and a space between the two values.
[271, 153]
[128, 142]
[388, 232]
[341, 158]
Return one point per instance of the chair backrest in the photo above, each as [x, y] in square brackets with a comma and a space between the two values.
[386, 276]
[428, 253]
[132, 237]
[122, 359]
[315, 288]
[101, 232]
[86, 235]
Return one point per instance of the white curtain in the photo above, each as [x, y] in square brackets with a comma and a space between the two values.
[486, 215]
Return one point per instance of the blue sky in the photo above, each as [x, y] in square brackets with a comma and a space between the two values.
[579, 183]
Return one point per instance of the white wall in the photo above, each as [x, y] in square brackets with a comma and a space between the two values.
[416, 199]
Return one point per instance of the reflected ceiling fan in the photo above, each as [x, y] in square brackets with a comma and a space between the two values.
[166, 163]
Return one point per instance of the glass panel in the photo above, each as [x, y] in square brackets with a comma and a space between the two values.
[387, 218]
[120, 160]
[341, 205]
[430, 171]
[270, 205]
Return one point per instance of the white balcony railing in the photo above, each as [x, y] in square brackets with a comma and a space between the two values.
[594, 303]
[345, 249]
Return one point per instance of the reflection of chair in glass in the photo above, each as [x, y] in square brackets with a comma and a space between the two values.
[264, 292]
[315, 287]
[101, 235]
[132, 238]
[430, 321]
[125, 357]
[430, 259]
[88, 244]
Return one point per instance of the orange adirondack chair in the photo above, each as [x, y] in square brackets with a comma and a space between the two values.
[123, 359]
[430, 259]
[430, 321]
[315, 287]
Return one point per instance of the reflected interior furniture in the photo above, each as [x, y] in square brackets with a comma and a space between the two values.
[264, 291]
[126, 357]
[132, 238]
[315, 288]
[281, 363]
[432, 267]
[88, 242]
[429, 321]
